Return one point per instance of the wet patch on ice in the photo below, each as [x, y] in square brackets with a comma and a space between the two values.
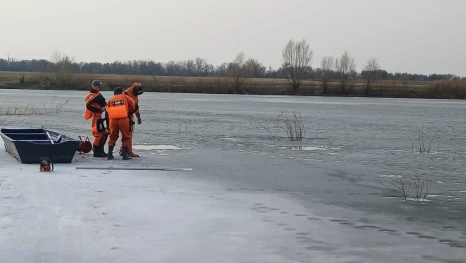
[453, 243]
[159, 149]
[390, 176]
[303, 148]
[149, 147]
[434, 195]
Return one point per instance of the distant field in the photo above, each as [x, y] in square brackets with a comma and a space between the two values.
[451, 89]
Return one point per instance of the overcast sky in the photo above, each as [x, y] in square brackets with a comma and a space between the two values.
[416, 36]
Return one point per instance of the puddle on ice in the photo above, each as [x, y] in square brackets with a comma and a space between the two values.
[390, 176]
[421, 200]
[418, 200]
[156, 147]
[434, 195]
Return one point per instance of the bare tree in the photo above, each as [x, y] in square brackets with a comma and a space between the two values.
[297, 58]
[255, 68]
[62, 67]
[201, 66]
[327, 67]
[190, 67]
[345, 67]
[370, 73]
[239, 72]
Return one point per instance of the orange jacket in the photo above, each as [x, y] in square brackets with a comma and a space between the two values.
[121, 106]
[130, 92]
[94, 103]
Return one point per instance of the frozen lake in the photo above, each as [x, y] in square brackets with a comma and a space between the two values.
[253, 195]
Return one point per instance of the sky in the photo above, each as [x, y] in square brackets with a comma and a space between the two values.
[415, 36]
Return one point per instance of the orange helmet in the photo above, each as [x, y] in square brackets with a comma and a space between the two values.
[137, 88]
[137, 85]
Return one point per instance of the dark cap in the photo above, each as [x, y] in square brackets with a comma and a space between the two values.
[97, 83]
[117, 91]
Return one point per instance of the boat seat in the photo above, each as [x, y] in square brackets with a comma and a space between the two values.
[26, 133]
[32, 140]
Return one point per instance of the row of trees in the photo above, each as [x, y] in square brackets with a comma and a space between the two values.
[297, 58]
[296, 67]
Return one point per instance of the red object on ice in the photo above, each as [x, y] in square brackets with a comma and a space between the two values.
[84, 146]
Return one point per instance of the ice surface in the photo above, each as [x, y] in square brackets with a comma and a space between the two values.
[246, 200]
[71, 215]
[156, 147]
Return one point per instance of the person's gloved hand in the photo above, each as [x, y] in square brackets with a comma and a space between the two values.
[139, 121]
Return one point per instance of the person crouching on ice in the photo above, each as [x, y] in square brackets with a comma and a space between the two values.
[119, 109]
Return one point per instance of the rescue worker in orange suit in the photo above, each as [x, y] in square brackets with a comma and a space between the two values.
[134, 91]
[95, 107]
[119, 109]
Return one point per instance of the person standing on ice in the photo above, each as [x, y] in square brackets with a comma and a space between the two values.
[95, 107]
[119, 109]
[134, 91]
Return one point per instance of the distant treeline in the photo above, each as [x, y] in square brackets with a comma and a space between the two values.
[197, 67]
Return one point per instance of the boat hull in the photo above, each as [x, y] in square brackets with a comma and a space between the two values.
[29, 145]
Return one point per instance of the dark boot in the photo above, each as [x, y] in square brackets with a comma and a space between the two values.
[110, 153]
[125, 153]
[99, 152]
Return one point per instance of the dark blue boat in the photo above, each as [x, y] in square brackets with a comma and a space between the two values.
[29, 145]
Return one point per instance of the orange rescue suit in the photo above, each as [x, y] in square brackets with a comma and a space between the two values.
[94, 104]
[131, 93]
[119, 108]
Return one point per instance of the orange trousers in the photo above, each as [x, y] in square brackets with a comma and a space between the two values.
[100, 137]
[116, 126]
[130, 146]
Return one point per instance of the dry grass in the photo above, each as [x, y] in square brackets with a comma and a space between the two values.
[16, 110]
[426, 142]
[415, 188]
[448, 89]
[292, 125]
[53, 108]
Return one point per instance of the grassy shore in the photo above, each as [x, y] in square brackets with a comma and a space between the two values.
[446, 89]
